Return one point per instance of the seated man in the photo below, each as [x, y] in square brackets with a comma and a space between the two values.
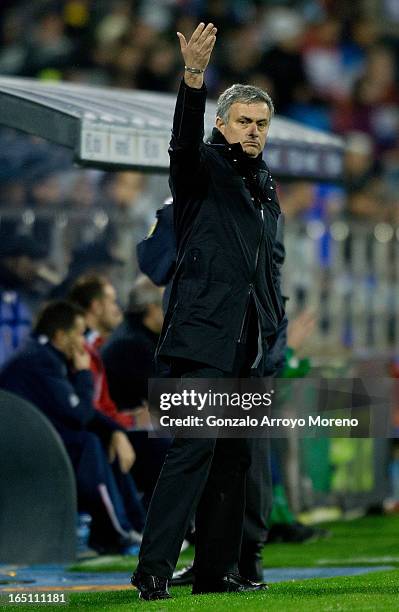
[126, 374]
[52, 372]
[128, 357]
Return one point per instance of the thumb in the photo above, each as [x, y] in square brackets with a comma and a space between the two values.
[182, 40]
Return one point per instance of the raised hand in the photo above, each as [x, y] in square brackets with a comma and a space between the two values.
[197, 52]
[80, 359]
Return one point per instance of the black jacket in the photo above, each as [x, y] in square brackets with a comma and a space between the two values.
[157, 259]
[128, 357]
[225, 217]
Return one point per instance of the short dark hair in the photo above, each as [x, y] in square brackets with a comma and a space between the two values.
[55, 316]
[87, 288]
[247, 94]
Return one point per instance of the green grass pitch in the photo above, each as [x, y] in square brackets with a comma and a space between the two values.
[372, 541]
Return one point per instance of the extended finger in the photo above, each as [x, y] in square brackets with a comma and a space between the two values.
[197, 32]
[209, 42]
[205, 33]
[206, 49]
[182, 40]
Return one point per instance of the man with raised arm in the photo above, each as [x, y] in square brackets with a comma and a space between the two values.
[225, 306]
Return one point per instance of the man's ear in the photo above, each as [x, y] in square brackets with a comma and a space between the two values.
[220, 124]
[59, 339]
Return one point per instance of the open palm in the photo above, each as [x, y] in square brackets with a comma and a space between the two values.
[197, 51]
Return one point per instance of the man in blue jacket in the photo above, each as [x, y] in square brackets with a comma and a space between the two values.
[53, 372]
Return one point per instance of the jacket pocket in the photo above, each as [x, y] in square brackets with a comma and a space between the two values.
[210, 302]
[187, 289]
[202, 302]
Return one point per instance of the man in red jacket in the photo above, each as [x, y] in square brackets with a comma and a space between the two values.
[97, 297]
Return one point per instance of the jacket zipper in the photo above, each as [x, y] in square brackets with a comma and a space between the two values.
[259, 243]
[245, 313]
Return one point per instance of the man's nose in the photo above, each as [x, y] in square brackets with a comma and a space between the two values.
[253, 130]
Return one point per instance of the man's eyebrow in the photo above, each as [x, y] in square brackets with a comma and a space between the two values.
[265, 120]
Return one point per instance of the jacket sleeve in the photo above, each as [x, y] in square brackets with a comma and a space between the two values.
[188, 121]
[275, 357]
[278, 254]
[156, 254]
[66, 402]
[186, 167]
[70, 401]
[103, 426]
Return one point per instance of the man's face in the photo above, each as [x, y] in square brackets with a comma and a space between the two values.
[108, 312]
[127, 187]
[247, 124]
[73, 340]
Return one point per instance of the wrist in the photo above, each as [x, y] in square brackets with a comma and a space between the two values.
[118, 433]
[194, 70]
[193, 80]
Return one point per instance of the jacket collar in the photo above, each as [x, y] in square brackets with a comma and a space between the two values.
[43, 340]
[236, 151]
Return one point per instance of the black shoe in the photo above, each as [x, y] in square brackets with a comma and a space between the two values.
[150, 587]
[250, 567]
[230, 583]
[295, 532]
[183, 576]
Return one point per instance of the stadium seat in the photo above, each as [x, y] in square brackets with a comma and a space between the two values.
[37, 488]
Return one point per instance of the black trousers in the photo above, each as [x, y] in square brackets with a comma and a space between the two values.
[224, 514]
[150, 456]
[258, 504]
[208, 477]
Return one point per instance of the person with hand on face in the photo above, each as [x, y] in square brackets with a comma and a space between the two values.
[121, 373]
[53, 372]
[97, 297]
[225, 303]
[119, 447]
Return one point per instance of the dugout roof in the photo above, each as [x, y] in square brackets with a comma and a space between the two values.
[120, 129]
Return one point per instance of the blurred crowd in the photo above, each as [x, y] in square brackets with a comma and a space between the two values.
[329, 64]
